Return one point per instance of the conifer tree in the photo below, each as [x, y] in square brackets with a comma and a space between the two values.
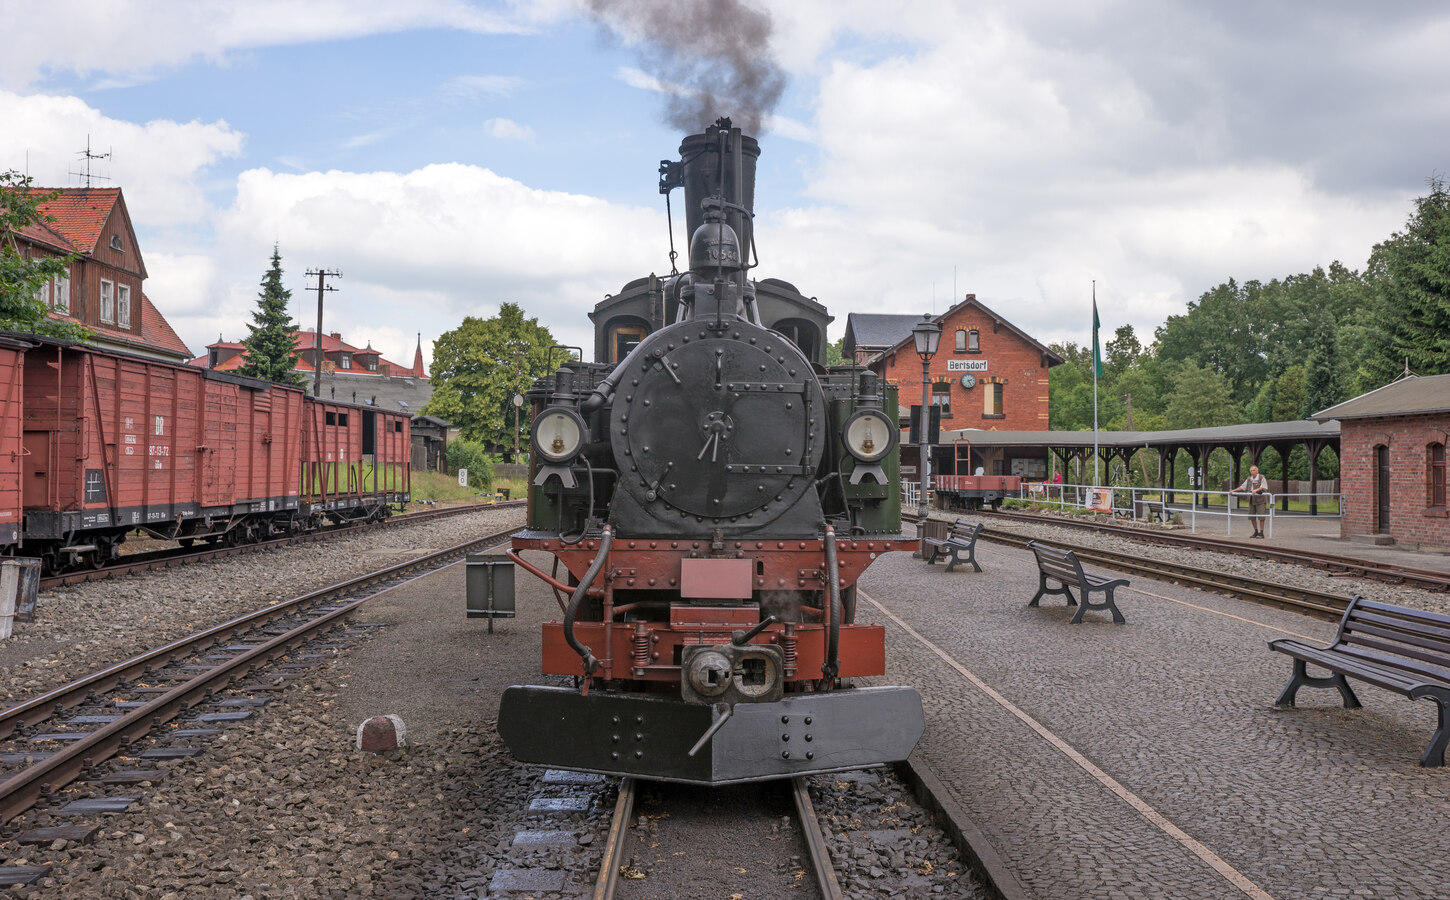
[272, 346]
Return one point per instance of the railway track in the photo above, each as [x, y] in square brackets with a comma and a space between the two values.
[616, 849]
[137, 698]
[1426, 579]
[1283, 596]
[165, 559]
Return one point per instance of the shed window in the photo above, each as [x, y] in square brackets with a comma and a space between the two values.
[961, 340]
[1436, 475]
[974, 341]
[108, 302]
[123, 305]
[941, 395]
[992, 400]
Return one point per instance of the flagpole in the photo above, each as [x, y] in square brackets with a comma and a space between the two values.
[1096, 480]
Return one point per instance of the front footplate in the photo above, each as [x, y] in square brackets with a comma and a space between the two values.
[651, 737]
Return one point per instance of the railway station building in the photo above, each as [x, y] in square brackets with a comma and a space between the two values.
[987, 375]
[104, 290]
[1392, 462]
[349, 373]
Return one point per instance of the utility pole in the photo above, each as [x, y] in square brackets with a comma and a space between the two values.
[1130, 411]
[322, 285]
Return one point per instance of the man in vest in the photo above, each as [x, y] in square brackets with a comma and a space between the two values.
[1257, 487]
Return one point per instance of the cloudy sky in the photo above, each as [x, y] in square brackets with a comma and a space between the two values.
[449, 155]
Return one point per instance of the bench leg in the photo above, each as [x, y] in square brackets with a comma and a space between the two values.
[1107, 604]
[1434, 756]
[972, 557]
[952, 563]
[1043, 590]
[1302, 678]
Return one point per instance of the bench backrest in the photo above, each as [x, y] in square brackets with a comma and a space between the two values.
[1412, 640]
[961, 528]
[1056, 562]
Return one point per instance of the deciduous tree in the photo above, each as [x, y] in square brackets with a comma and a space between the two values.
[477, 368]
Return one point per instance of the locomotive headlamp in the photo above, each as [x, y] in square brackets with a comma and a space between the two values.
[869, 435]
[558, 434]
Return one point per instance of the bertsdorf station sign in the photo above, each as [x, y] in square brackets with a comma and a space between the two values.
[966, 365]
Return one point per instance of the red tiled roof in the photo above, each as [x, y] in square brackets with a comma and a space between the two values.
[307, 340]
[80, 214]
[157, 332]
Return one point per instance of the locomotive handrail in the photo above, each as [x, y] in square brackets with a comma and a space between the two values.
[832, 665]
[548, 579]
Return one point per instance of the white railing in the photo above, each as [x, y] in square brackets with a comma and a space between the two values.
[1139, 503]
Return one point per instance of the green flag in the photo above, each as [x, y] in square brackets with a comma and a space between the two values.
[1097, 354]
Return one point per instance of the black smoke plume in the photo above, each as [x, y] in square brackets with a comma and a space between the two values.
[716, 51]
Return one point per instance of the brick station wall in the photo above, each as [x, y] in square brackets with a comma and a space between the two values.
[1412, 521]
[1011, 361]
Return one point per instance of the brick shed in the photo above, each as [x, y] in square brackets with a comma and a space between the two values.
[1392, 461]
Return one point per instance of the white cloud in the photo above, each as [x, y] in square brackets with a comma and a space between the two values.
[429, 247]
[508, 129]
[159, 165]
[133, 39]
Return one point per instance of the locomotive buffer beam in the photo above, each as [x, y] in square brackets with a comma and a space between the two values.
[651, 736]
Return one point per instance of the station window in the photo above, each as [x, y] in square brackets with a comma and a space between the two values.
[992, 400]
[941, 395]
[123, 305]
[961, 340]
[62, 293]
[108, 302]
[1436, 474]
[974, 341]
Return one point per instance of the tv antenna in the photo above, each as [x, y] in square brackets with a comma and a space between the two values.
[87, 155]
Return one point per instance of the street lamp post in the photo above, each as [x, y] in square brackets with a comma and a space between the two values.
[926, 334]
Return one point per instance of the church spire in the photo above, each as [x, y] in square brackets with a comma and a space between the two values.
[418, 359]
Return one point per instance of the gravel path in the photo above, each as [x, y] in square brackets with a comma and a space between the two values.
[1282, 573]
[81, 628]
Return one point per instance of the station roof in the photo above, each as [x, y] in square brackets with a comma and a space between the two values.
[1255, 432]
[1412, 395]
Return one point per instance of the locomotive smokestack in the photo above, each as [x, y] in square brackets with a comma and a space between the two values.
[717, 167]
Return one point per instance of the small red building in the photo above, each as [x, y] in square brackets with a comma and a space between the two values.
[1392, 461]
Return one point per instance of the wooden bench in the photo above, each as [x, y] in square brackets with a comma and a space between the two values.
[962, 538]
[1402, 650]
[1063, 567]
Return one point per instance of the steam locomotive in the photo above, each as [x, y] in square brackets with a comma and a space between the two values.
[713, 495]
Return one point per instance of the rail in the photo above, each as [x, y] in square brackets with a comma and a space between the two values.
[22, 790]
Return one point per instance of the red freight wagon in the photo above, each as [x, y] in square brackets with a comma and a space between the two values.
[355, 460]
[115, 442]
[12, 385]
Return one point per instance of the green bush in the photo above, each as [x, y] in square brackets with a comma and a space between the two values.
[472, 456]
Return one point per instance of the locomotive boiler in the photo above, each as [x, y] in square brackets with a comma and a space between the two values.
[712, 496]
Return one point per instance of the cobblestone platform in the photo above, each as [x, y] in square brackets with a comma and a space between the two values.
[1148, 759]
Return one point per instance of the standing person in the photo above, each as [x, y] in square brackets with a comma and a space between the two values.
[1257, 487]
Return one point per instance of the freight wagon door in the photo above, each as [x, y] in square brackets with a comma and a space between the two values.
[218, 472]
[36, 479]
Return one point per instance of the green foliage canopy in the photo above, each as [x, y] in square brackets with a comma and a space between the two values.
[477, 368]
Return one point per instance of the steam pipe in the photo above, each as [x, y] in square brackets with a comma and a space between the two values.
[591, 665]
[832, 665]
